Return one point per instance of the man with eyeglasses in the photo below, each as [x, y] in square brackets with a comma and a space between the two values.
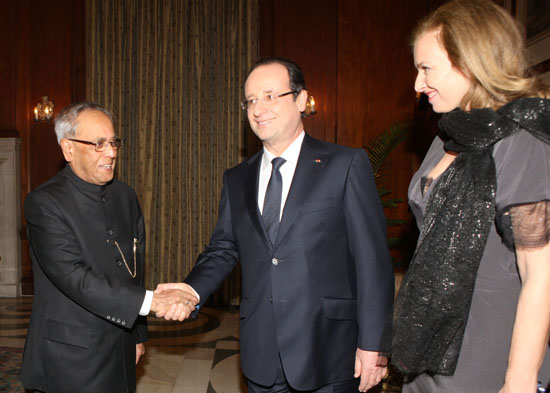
[87, 242]
[304, 219]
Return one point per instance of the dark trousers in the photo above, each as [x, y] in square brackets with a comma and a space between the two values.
[281, 386]
[350, 386]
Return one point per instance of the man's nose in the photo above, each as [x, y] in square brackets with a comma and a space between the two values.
[110, 151]
[259, 107]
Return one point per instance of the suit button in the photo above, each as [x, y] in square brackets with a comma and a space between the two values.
[108, 317]
[110, 232]
[275, 261]
[118, 320]
[119, 263]
[123, 323]
[271, 300]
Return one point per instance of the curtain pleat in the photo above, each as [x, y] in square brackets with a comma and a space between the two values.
[172, 72]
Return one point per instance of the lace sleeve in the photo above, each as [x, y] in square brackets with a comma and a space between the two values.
[530, 225]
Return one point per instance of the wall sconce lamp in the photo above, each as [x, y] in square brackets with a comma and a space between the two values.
[44, 109]
[310, 107]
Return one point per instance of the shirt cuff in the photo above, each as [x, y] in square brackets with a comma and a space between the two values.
[146, 305]
[195, 292]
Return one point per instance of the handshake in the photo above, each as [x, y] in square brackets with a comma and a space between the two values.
[174, 301]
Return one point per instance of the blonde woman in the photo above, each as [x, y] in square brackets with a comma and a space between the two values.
[473, 313]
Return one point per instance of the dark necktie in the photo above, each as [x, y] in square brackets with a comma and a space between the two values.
[272, 202]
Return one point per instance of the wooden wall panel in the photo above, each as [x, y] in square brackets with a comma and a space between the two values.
[375, 80]
[306, 32]
[21, 25]
[310, 39]
[78, 47]
[50, 74]
[43, 53]
[8, 65]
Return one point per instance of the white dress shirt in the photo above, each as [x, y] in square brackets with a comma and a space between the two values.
[287, 170]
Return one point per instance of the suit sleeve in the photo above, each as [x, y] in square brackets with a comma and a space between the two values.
[219, 257]
[141, 322]
[57, 250]
[366, 226]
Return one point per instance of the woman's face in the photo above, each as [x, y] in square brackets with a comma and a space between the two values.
[444, 84]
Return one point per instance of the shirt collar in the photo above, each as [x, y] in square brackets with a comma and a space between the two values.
[291, 153]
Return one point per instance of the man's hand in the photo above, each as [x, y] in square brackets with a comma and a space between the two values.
[173, 299]
[180, 310]
[140, 350]
[371, 367]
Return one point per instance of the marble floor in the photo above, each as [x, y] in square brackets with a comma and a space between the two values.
[195, 356]
[190, 357]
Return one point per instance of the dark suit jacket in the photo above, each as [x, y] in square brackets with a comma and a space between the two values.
[84, 324]
[325, 288]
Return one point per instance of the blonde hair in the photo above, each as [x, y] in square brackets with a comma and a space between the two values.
[486, 44]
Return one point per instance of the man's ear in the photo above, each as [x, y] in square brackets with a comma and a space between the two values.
[301, 100]
[67, 148]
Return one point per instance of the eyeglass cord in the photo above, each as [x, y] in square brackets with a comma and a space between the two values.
[134, 249]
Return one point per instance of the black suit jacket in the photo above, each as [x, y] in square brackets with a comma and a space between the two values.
[326, 286]
[84, 324]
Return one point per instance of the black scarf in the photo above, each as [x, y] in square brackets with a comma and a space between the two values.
[431, 311]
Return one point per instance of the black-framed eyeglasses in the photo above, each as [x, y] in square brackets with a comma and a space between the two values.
[269, 99]
[101, 145]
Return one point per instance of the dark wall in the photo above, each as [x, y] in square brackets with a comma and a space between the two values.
[43, 53]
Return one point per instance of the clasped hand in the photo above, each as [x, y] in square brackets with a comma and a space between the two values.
[371, 367]
[174, 301]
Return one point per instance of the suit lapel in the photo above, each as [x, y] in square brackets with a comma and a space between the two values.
[251, 179]
[311, 161]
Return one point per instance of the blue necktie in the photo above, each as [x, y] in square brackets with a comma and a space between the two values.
[272, 202]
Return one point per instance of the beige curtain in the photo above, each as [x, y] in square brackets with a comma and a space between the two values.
[172, 72]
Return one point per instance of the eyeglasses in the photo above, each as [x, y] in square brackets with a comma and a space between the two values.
[269, 99]
[101, 145]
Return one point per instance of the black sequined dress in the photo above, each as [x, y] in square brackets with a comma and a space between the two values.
[523, 176]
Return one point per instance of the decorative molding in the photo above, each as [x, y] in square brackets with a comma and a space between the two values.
[10, 224]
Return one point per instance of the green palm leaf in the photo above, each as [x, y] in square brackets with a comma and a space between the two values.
[378, 150]
[381, 146]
